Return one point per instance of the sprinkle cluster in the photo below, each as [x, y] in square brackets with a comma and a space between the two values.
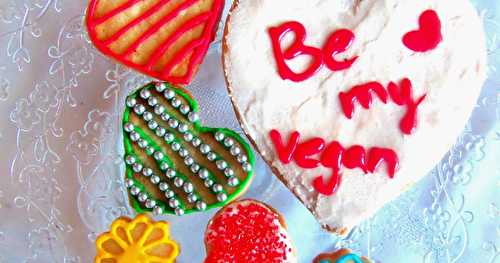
[177, 134]
[246, 232]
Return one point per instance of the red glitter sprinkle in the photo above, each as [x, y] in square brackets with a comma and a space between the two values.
[246, 232]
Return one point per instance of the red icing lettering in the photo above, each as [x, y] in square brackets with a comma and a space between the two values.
[333, 156]
[363, 95]
[285, 152]
[428, 36]
[297, 48]
[377, 155]
[402, 96]
[337, 43]
[327, 188]
[307, 149]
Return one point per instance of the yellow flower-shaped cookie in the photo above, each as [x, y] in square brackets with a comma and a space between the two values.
[141, 240]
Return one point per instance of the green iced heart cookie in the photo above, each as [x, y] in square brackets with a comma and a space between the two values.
[173, 164]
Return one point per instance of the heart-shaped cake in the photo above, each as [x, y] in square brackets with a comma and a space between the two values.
[353, 102]
[165, 39]
[173, 164]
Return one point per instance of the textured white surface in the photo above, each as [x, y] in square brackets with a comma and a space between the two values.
[451, 76]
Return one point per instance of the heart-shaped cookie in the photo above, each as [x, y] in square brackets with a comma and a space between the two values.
[340, 256]
[248, 231]
[352, 135]
[173, 164]
[165, 39]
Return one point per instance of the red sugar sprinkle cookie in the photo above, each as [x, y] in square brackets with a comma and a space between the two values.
[248, 231]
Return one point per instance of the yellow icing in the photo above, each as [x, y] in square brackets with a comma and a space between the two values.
[141, 240]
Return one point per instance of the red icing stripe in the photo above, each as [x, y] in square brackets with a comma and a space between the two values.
[246, 232]
[196, 48]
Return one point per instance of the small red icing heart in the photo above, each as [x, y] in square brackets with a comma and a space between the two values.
[248, 231]
[428, 36]
[164, 39]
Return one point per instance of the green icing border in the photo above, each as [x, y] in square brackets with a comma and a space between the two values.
[197, 127]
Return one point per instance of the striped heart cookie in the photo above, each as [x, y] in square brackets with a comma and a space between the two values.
[173, 164]
[165, 39]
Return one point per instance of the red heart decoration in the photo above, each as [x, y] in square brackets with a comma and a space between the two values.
[428, 36]
[164, 39]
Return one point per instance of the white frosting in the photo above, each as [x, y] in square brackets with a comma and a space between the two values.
[451, 75]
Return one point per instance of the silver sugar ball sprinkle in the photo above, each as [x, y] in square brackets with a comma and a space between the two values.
[178, 181]
[163, 186]
[150, 150]
[196, 142]
[142, 143]
[146, 171]
[208, 182]
[242, 158]
[193, 117]
[235, 150]
[173, 123]
[195, 167]
[188, 187]
[183, 128]
[158, 156]
[169, 94]
[169, 194]
[173, 202]
[130, 159]
[137, 167]
[192, 198]
[188, 137]
[205, 148]
[176, 146]
[131, 102]
[152, 101]
[169, 137]
[188, 160]
[165, 116]
[228, 142]
[171, 173]
[150, 203]
[211, 156]
[145, 94]
[139, 109]
[152, 124]
[160, 131]
[179, 211]
[134, 136]
[134, 190]
[159, 109]
[129, 182]
[160, 87]
[176, 102]
[164, 166]
[219, 136]
[221, 164]
[221, 197]
[217, 188]
[147, 116]
[203, 174]
[228, 172]
[157, 210]
[142, 197]
[247, 167]
[184, 109]
[200, 205]
[183, 152]
[129, 127]
[155, 179]
[233, 181]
